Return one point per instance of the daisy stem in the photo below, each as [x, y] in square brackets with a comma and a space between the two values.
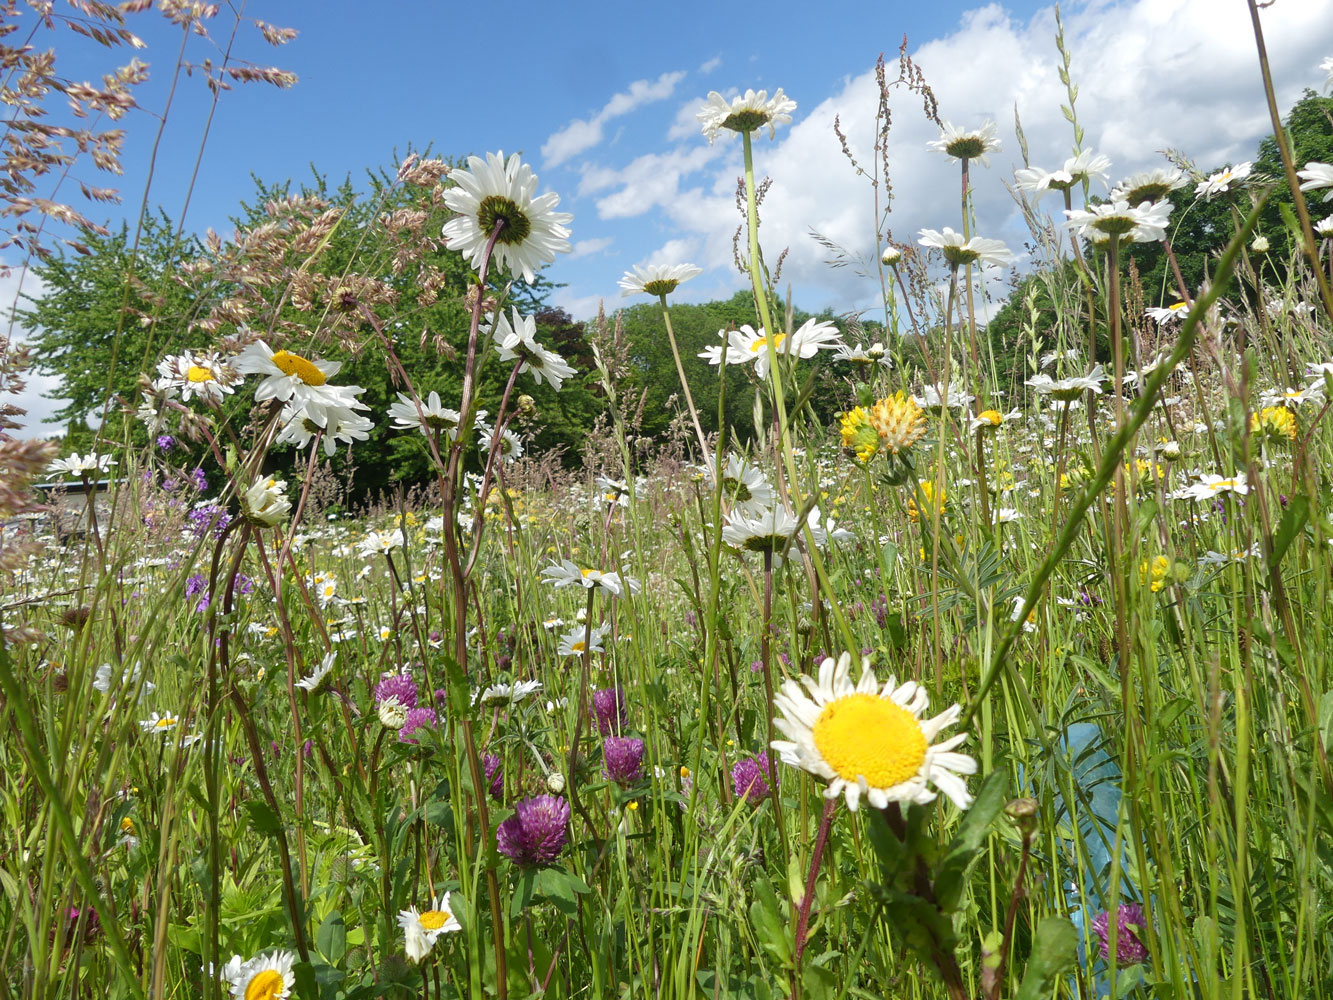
[766, 656]
[684, 383]
[803, 916]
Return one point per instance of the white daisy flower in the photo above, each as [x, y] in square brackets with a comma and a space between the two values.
[1210, 486]
[288, 376]
[432, 415]
[577, 641]
[963, 145]
[496, 191]
[1144, 223]
[1162, 315]
[380, 543]
[421, 930]
[1148, 185]
[1086, 166]
[79, 465]
[265, 503]
[508, 693]
[1066, 389]
[1223, 181]
[870, 740]
[745, 486]
[265, 977]
[1312, 393]
[334, 421]
[156, 723]
[958, 251]
[511, 445]
[518, 341]
[312, 682]
[657, 279]
[938, 397]
[747, 113]
[196, 375]
[750, 345]
[771, 530]
[566, 573]
[875, 354]
[1316, 176]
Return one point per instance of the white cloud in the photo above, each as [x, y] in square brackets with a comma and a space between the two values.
[586, 248]
[580, 135]
[710, 65]
[1152, 74]
[580, 307]
[31, 398]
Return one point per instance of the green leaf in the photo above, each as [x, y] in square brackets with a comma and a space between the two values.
[263, 819]
[1054, 948]
[1293, 520]
[331, 937]
[562, 889]
[768, 924]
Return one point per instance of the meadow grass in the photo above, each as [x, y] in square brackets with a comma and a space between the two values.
[257, 745]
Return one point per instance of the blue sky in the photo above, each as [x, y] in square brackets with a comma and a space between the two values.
[600, 99]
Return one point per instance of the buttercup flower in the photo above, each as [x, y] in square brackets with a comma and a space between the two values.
[962, 145]
[868, 740]
[421, 930]
[745, 114]
[495, 191]
[536, 833]
[657, 279]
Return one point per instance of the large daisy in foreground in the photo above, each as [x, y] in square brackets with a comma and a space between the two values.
[420, 930]
[265, 977]
[869, 740]
[496, 190]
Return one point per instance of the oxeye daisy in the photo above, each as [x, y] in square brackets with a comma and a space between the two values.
[578, 641]
[657, 279]
[1315, 176]
[1223, 181]
[498, 192]
[196, 374]
[421, 930]
[960, 144]
[748, 113]
[771, 531]
[510, 447]
[958, 251]
[286, 374]
[266, 977]
[745, 487]
[431, 416]
[156, 723]
[518, 342]
[1149, 185]
[1145, 223]
[869, 740]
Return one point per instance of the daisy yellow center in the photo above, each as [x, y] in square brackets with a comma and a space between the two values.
[497, 209]
[1176, 307]
[746, 120]
[1222, 484]
[433, 920]
[587, 572]
[991, 417]
[760, 344]
[266, 985]
[578, 647]
[1147, 192]
[294, 364]
[864, 735]
[166, 722]
[662, 286]
[198, 373]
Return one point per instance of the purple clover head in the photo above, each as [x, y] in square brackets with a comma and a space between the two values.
[536, 833]
[623, 759]
[749, 777]
[400, 686]
[416, 718]
[608, 710]
[495, 775]
[1130, 924]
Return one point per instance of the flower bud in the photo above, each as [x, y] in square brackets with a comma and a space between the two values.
[555, 782]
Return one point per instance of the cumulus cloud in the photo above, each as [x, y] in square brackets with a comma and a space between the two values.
[586, 248]
[32, 398]
[1152, 75]
[582, 134]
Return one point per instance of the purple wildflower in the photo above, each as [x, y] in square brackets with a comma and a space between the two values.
[749, 777]
[536, 833]
[400, 686]
[166, 442]
[196, 584]
[757, 667]
[1129, 948]
[416, 718]
[608, 709]
[880, 608]
[623, 759]
[495, 776]
[199, 479]
[209, 517]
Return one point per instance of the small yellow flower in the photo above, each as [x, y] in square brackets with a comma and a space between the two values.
[928, 491]
[1276, 423]
[1154, 577]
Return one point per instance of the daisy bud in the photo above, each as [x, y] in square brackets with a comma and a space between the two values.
[555, 782]
[891, 256]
